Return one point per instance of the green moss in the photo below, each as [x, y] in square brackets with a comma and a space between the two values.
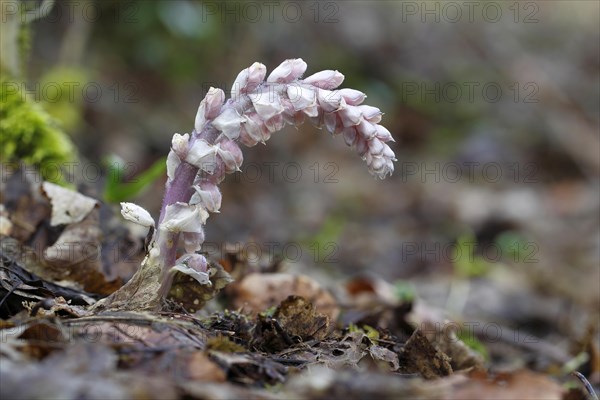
[28, 134]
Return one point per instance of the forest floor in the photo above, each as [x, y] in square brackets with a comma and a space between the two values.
[272, 333]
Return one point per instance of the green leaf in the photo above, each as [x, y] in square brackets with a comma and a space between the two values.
[116, 190]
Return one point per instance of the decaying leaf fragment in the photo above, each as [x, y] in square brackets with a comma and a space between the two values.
[419, 356]
[294, 320]
[256, 292]
[68, 206]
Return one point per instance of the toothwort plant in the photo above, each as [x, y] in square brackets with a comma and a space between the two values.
[198, 162]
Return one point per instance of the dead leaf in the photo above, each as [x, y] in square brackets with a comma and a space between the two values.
[25, 207]
[76, 257]
[68, 206]
[300, 318]
[380, 353]
[294, 320]
[419, 356]
[257, 292]
[461, 356]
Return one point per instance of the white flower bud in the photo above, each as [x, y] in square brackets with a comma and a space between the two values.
[228, 122]
[330, 100]
[383, 134]
[192, 241]
[173, 162]
[248, 80]
[388, 152]
[207, 194]
[370, 113]
[289, 114]
[202, 155]
[361, 146]
[301, 97]
[209, 107]
[214, 101]
[366, 129]
[287, 71]
[275, 124]
[183, 217]
[134, 213]
[352, 96]
[266, 103]
[330, 120]
[193, 265]
[311, 111]
[231, 154]
[246, 139]
[253, 125]
[375, 147]
[179, 144]
[350, 136]
[350, 116]
[327, 79]
[377, 165]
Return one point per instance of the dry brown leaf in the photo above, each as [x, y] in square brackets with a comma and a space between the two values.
[257, 292]
[299, 318]
[420, 356]
[75, 257]
[294, 320]
[380, 353]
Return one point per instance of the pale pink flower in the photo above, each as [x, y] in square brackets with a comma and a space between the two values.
[327, 79]
[287, 71]
[209, 107]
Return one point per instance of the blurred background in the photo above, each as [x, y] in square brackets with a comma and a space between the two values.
[493, 210]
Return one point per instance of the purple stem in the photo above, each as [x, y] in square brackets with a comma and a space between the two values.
[180, 189]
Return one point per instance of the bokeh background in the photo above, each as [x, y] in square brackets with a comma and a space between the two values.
[493, 105]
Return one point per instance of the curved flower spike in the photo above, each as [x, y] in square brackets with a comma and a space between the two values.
[198, 162]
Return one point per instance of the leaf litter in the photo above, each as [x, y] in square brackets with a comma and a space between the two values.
[253, 332]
